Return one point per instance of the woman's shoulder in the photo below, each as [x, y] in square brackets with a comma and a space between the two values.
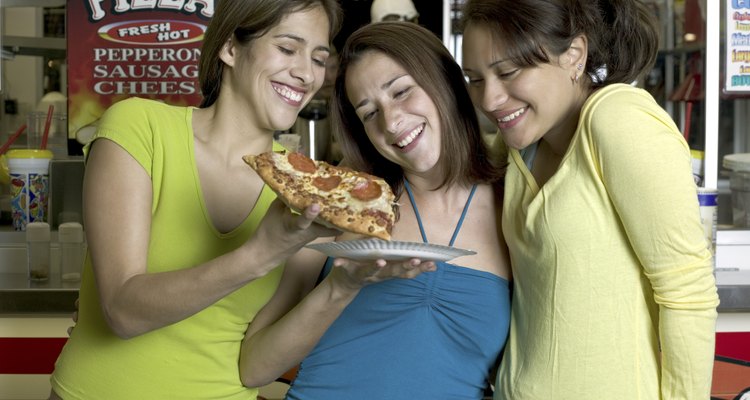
[618, 94]
[489, 196]
[621, 102]
[620, 115]
[142, 105]
[137, 112]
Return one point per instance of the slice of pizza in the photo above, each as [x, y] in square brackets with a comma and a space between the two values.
[349, 200]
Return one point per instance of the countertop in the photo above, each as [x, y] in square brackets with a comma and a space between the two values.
[734, 298]
[20, 296]
[734, 290]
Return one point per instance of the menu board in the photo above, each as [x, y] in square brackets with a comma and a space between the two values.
[737, 74]
[135, 48]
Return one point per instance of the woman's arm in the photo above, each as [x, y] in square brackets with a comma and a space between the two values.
[117, 198]
[646, 169]
[291, 324]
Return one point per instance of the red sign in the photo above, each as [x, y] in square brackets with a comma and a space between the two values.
[124, 48]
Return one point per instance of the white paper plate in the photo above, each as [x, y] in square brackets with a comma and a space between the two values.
[373, 249]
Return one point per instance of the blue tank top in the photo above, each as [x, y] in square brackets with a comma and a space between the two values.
[432, 337]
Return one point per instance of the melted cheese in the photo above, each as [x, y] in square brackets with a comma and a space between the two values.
[349, 181]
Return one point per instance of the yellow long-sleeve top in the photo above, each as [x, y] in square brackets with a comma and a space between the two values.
[614, 295]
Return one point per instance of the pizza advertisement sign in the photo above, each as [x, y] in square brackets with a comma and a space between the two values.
[737, 62]
[126, 48]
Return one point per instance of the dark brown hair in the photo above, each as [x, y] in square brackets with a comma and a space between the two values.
[427, 60]
[623, 35]
[244, 21]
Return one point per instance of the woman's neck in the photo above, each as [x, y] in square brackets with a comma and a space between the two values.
[425, 191]
[558, 139]
[215, 128]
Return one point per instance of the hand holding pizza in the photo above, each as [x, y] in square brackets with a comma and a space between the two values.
[280, 240]
[354, 274]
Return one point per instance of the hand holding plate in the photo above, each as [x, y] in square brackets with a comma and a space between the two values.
[357, 273]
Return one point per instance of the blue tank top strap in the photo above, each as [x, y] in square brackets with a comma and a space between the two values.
[463, 215]
[419, 219]
[416, 211]
[329, 260]
[325, 270]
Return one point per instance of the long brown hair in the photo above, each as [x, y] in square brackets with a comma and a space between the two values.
[623, 35]
[244, 21]
[427, 60]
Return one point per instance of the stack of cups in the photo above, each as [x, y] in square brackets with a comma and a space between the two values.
[38, 251]
[29, 186]
[70, 236]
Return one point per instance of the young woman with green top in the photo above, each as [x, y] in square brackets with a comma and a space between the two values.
[185, 241]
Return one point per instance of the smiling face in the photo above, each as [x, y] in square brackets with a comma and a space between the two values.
[527, 104]
[399, 118]
[278, 74]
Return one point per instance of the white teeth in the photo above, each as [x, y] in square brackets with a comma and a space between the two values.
[413, 135]
[513, 116]
[289, 94]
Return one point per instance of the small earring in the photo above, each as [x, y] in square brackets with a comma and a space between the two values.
[577, 76]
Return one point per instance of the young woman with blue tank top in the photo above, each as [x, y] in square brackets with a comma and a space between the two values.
[401, 111]
[179, 261]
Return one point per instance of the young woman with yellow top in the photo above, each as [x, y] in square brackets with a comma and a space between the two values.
[614, 296]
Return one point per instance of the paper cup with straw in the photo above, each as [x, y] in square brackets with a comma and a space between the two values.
[29, 185]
